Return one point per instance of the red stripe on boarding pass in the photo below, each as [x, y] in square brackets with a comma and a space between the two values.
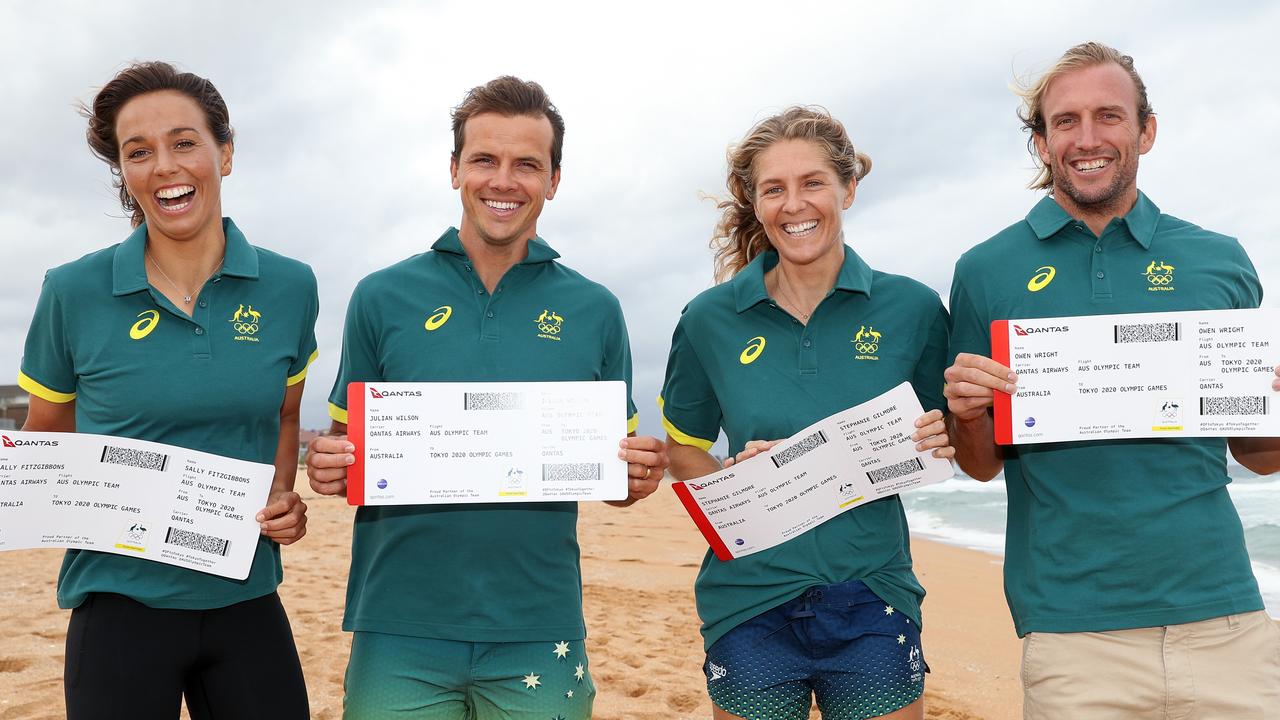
[1003, 400]
[355, 434]
[700, 519]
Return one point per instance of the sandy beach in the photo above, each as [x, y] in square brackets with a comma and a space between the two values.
[638, 566]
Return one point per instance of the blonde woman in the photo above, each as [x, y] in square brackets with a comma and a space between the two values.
[799, 328]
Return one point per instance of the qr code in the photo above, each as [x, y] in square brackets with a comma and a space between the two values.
[571, 472]
[492, 401]
[801, 448]
[897, 470]
[1238, 405]
[144, 459]
[197, 541]
[1149, 332]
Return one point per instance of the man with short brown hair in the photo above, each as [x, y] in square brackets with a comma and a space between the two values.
[1125, 564]
[475, 611]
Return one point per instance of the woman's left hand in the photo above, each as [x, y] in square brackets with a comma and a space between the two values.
[646, 463]
[931, 433]
[284, 519]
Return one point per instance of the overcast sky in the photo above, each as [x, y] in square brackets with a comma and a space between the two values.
[341, 114]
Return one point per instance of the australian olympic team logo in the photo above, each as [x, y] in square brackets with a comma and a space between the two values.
[1159, 276]
[549, 324]
[866, 342]
[246, 321]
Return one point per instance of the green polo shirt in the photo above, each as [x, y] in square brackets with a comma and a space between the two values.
[1116, 534]
[138, 367]
[740, 362]
[494, 572]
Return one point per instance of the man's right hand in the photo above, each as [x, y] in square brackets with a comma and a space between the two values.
[327, 461]
[970, 382]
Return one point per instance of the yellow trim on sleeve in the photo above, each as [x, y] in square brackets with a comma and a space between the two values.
[680, 437]
[633, 423]
[26, 383]
[337, 413]
[302, 374]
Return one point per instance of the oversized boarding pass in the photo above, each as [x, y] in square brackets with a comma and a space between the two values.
[473, 442]
[848, 459]
[1175, 374]
[131, 497]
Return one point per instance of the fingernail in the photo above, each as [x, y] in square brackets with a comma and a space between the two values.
[1008, 389]
[349, 448]
[260, 517]
[622, 455]
[351, 459]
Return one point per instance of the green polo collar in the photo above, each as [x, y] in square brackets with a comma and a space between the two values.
[129, 268]
[1048, 217]
[539, 250]
[749, 289]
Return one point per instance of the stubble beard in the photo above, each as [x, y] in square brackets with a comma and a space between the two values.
[1105, 201]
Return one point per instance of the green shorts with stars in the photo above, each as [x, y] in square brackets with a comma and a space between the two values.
[399, 676]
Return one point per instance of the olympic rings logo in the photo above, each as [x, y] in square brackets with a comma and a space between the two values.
[1159, 279]
[866, 348]
[548, 328]
[244, 328]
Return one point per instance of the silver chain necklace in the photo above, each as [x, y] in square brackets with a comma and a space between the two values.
[794, 306]
[186, 297]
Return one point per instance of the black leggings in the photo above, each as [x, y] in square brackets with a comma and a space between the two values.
[127, 660]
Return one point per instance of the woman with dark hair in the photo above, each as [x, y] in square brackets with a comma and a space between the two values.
[800, 328]
[188, 335]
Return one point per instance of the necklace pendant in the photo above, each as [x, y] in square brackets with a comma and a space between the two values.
[186, 299]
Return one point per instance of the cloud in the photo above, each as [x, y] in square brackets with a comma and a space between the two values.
[343, 129]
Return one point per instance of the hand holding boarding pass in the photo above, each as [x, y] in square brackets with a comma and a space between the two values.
[131, 497]
[1205, 373]
[848, 459]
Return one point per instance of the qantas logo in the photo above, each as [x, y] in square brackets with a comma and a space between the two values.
[374, 392]
[1023, 332]
[28, 443]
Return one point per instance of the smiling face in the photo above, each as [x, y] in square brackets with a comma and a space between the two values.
[799, 198]
[504, 176]
[171, 164]
[1092, 140]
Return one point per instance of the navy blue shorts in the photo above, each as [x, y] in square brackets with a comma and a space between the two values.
[840, 644]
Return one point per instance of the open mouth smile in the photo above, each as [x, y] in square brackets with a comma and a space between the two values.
[503, 207]
[801, 229]
[1088, 167]
[175, 198]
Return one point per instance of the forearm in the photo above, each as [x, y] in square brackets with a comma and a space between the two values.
[976, 451]
[1259, 454]
[689, 462]
[286, 461]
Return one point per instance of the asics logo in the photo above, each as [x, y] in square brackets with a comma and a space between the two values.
[1042, 278]
[143, 328]
[439, 317]
[755, 346]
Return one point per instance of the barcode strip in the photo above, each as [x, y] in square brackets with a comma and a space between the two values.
[144, 459]
[1237, 405]
[801, 448]
[1147, 332]
[896, 470]
[197, 541]
[571, 472]
[492, 401]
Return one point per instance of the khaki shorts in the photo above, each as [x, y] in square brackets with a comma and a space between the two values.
[1225, 668]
